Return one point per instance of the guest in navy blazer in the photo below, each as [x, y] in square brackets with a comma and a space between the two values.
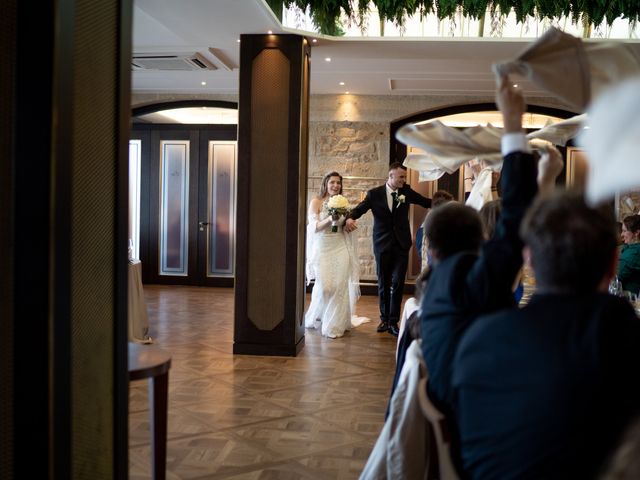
[546, 391]
[470, 277]
[389, 205]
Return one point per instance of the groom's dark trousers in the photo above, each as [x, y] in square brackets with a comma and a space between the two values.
[391, 244]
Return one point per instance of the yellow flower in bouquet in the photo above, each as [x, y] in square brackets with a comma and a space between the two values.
[337, 206]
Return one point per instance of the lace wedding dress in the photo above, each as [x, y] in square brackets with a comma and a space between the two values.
[333, 263]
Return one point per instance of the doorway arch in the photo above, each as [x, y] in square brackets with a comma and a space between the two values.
[171, 105]
[398, 150]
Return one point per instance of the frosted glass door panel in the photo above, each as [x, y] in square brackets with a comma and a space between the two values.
[221, 202]
[135, 149]
[174, 207]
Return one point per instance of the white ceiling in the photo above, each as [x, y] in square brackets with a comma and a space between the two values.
[374, 66]
[367, 66]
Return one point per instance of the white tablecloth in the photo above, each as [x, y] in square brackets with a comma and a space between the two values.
[138, 321]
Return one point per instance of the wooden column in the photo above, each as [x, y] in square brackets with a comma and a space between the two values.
[271, 209]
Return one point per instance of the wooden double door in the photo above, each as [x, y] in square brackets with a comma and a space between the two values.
[187, 203]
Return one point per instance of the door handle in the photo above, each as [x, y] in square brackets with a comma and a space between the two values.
[201, 225]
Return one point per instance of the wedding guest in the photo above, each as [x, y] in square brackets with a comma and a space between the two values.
[440, 197]
[389, 204]
[332, 262]
[545, 391]
[489, 214]
[629, 263]
[470, 276]
[410, 324]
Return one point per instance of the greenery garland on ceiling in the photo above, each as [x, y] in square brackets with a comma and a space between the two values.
[326, 14]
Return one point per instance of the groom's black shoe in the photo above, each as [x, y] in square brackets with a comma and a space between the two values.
[383, 327]
[393, 330]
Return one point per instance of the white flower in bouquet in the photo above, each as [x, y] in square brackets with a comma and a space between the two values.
[337, 206]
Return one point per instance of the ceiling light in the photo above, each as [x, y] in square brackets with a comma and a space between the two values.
[346, 93]
[515, 85]
[315, 40]
[238, 40]
[341, 83]
[328, 59]
[269, 32]
[203, 83]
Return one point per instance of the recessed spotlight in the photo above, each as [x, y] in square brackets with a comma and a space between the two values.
[238, 40]
[346, 93]
[315, 40]
[341, 83]
[269, 32]
[203, 83]
[328, 59]
[515, 85]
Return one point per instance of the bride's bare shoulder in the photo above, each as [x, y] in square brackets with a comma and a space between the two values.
[316, 203]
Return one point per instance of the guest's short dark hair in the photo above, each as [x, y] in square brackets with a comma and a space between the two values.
[572, 245]
[396, 165]
[440, 197]
[453, 228]
[632, 223]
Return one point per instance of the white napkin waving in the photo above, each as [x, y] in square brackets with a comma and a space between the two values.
[612, 142]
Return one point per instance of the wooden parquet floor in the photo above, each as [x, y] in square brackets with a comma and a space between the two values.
[313, 416]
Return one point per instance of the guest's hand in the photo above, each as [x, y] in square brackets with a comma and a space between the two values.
[511, 103]
[549, 167]
[350, 225]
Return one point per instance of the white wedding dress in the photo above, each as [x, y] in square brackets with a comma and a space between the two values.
[333, 263]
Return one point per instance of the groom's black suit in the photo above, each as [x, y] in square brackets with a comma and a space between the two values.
[391, 243]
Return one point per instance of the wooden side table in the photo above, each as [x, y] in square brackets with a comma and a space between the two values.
[152, 362]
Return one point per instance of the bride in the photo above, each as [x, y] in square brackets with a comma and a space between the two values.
[333, 263]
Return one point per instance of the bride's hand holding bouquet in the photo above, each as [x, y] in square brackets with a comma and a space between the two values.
[337, 206]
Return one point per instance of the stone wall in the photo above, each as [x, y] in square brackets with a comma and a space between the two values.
[351, 134]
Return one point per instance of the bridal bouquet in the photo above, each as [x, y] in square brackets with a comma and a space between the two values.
[337, 206]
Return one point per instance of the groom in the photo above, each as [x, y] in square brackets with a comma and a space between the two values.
[389, 205]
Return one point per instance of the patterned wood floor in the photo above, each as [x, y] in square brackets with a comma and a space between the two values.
[314, 416]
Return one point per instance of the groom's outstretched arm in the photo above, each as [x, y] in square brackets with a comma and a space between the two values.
[415, 197]
[363, 207]
[359, 210]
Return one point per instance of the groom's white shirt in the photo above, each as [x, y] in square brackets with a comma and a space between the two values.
[389, 197]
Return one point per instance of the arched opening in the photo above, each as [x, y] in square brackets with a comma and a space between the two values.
[398, 151]
[458, 116]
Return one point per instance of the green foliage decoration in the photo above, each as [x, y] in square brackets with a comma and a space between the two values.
[326, 14]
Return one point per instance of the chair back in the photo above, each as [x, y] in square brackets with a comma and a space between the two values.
[440, 430]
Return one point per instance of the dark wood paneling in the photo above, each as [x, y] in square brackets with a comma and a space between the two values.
[199, 135]
[287, 336]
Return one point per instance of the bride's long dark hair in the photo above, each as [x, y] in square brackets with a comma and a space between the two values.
[325, 181]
